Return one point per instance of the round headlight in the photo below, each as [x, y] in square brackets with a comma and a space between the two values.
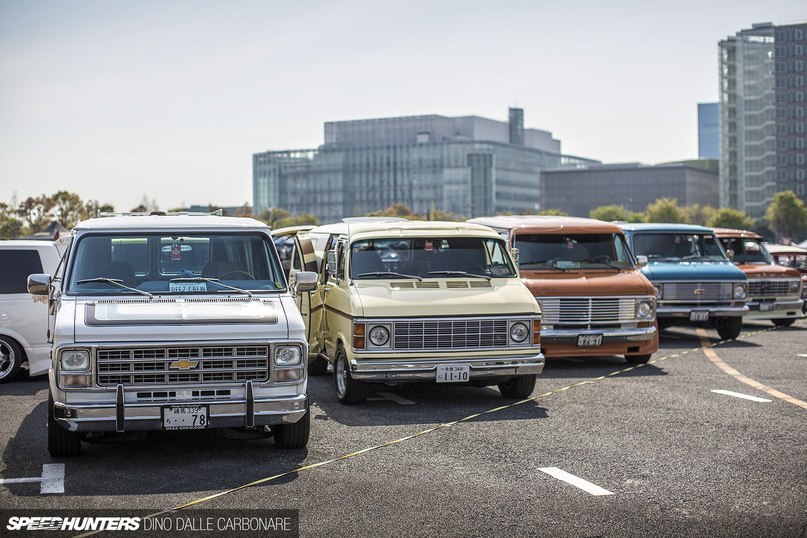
[75, 360]
[288, 356]
[658, 289]
[739, 291]
[519, 332]
[794, 286]
[644, 310]
[379, 335]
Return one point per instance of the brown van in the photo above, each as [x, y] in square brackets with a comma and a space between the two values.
[594, 299]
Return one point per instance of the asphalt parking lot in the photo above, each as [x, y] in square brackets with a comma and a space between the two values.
[603, 449]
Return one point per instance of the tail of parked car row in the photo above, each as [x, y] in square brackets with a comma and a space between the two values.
[177, 322]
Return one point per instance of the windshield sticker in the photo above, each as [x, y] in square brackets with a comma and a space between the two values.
[499, 269]
[429, 245]
[566, 264]
[176, 252]
[186, 287]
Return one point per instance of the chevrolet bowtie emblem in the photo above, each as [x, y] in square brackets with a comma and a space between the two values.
[184, 364]
[698, 291]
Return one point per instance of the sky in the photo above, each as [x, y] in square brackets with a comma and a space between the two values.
[167, 100]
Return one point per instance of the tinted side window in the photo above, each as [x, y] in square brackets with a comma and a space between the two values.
[15, 266]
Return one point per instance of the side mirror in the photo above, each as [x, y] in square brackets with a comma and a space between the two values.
[641, 260]
[730, 254]
[514, 252]
[39, 284]
[305, 281]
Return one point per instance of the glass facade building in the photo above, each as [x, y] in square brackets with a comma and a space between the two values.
[708, 130]
[470, 166]
[761, 116]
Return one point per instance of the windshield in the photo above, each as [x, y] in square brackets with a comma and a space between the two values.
[159, 263]
[676, 247]
[572, 251]
[434, 257]
[746, 250]
[797, 261]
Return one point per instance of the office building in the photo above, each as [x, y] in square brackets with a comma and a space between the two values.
[708, 130]
[631, 185]
[762, 109]
[467, 165]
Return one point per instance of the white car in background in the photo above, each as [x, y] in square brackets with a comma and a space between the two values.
[23, 317]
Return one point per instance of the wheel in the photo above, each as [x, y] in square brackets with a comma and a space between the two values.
[294, 435]
[729, 328]
[318, 366]
[61, 443]
[638, 359]
[349, 391]
[784, 322]
[519, 387]
[242, 273]
[10, 359]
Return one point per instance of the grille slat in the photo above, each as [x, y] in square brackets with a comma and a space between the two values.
[762, 289]
[214, 364]
[698, 292]
[584, 311]
[450, 334]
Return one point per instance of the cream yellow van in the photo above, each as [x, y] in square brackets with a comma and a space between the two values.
[401, 301]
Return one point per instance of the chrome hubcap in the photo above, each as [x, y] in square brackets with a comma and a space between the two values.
[6, 360]
[341, 376]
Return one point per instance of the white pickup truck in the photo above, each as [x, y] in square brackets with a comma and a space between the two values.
[174, 322]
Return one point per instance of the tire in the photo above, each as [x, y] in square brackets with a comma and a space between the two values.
[519, 387]
[784, 322]
[61, 443]
[349, 391]
[294, 435]
[638, 359]
[729, 328]
[10, 359]
[318, 366]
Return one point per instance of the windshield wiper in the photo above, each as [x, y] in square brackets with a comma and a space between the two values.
[389, 273]
[116, 281]
[544, 264]
[612, 266]
[458, 273]
[212, 281]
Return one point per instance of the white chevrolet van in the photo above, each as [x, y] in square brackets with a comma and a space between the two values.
[166, 322]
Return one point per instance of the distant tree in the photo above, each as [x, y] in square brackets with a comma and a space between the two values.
[439, 214]
[139, 209]
[244, 211]
[609, 213]
[302, 219]
[730, 218]
[10, 226]
[554, 212]
[146, 205]
[636, 216]
[698, 214]
[787, 216]
[92, 208]
[67, 208]
[35, 211]
[273, 215]
[665, 210]
[397, 210]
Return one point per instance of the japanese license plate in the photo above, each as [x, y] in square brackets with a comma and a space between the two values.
[453, 373]
[699, 315]
[765, 307]
[589, 340]
[185, 417]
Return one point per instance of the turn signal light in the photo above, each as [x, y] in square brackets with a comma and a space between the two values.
[359, 330]
[536, 331]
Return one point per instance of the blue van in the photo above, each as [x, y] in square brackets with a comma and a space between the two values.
[694, 280]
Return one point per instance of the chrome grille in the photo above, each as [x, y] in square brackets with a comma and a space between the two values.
[587, 310]
[152, 366]
[450, 334]
[698, 292]
[760, 289]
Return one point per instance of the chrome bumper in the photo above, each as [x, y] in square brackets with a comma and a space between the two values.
[569, 336]
[426, 369]
[715, 311]
[120, 417]
[781, 308]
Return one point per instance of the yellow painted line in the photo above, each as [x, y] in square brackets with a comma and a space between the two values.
[710, 353]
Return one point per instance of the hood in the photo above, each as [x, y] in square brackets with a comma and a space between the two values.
[588, 284]
[692, 271]
[753, 270]
[211, 319]
[394, 299]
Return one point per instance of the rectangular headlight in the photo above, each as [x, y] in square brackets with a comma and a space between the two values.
[75, 360]
[645, 309]
[795, 285]
[288, 356]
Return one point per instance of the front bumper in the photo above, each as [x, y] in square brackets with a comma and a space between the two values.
[569, 336]
[426, 369]
[778, 309]
[715, 311]
[122, 417]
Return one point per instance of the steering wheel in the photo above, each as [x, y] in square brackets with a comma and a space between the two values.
[244, 273]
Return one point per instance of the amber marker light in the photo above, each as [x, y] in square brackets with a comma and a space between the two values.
[536, 331]
[359, 330]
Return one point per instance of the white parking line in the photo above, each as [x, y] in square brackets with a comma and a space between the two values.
[576, 481]
[803, 355]
[51, 481]
[393, 397]
[740, 395]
